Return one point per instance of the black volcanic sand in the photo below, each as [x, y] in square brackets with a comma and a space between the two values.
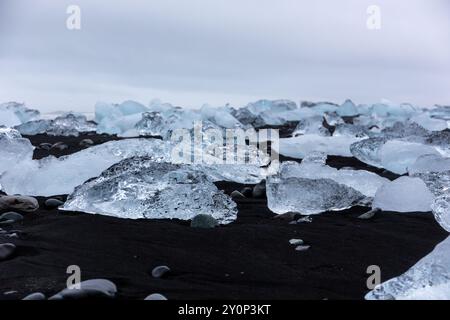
[248, 259]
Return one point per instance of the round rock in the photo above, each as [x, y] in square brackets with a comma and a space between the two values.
[95, 288]
[11, 217]
[160, 271]
[204, 221]
[22, 203]
[6, 250]
[155, 297]
[53, 203]
[35, 296]
[86, 143]
[237, 195]
[259, 190]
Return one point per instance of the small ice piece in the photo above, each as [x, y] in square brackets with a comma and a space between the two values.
[311, 125]
[13, 149]
[439, 185]
[302, 248]
[266, 112]
[69, 124]
[397, 155]
[138, 188]
[429, 163]
[151, 124]
[312, 167]
[368, 151]
[301, 146]
[426, 121]
[309, 196]
[404, 194]
[13, 114]
[428, 279]
[441, 210]
[347, 109]
[351, 130]
[52, 176]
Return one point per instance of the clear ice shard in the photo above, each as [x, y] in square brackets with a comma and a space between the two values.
[439, 185]
[266, 112]
[363, 181]
[429, 163]
[312, 187]
[309, 196]
[13, 149]
[311, 125]
[347, 109]
[13, 114]
[397, 156]
[299, 147]
[69, 124]
[140, 188]
[404, 194]
[54, 176]
[368, 151]
[428, 279]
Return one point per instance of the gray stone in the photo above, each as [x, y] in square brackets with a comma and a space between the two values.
[11, 216]
[160, 271]
[45, 146]
[369, 215]
[53, 203]
[204, 221]
[155, 297]
[302, 248]
[22, 203]
[259, 190]
[296, 242]
[6, 250]
[86, 143]
[35, 296]
[60, 146]
[237, 195]
[96, 288]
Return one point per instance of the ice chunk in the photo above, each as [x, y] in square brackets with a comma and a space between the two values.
[309, 196]
[69, 124]
[397, 155]
[351, 130]
[363, 181]
[13, 149]
[439, 184]
[404, 129]
[222, 117]
[118, 118]
[404, 194]
[311, 125]
[428, 279]
[301, 146]
[13, 114]
[427, 122]
[151, 124]
[53, 176]
[138, 188]
[274, 106]
[266, 112]
[347, 109]
[429, 163]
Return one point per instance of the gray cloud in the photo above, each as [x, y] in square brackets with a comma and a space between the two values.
[197, 51]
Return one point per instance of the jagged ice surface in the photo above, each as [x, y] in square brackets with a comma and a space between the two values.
[139, 187]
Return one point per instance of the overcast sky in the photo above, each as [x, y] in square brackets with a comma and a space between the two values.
[191, 52]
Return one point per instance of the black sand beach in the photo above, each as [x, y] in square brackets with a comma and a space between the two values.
[248, 259]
